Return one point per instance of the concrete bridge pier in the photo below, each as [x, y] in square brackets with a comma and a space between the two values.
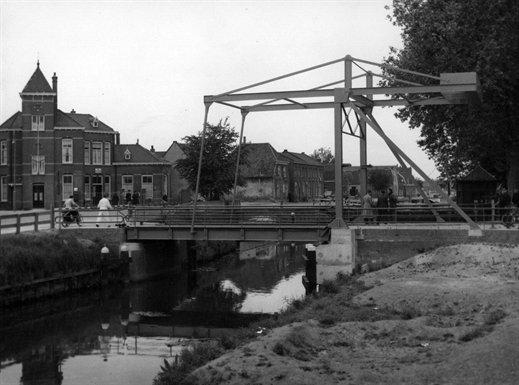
[338, 256]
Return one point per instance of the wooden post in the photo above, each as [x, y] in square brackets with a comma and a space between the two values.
[18, 223]
[36, 219]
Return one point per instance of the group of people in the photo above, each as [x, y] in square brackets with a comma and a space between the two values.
[71, 211]
[129, 198]
[385, 206]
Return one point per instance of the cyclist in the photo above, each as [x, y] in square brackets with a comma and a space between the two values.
[70, 212]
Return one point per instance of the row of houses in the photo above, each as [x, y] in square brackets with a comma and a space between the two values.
[47, 154]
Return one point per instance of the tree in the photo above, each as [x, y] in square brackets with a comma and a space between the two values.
[219, 160]
[323, 155]
[457, 36]
[379, 179]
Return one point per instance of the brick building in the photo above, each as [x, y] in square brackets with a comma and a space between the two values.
[141, 170]
[306, 177]
[47, 154]
[265, 173]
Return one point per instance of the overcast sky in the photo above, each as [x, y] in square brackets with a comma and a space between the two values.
[143, 67]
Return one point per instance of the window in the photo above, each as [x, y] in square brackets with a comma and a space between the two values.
[3, 189]
[127, 154]
[127, 183]
[147, 186]
[107, 152]
[87, 152]
[97, 153]
[38, 165]
[88, 195]
[67, 186]
[3, 152]
[38, 123]
[108, 186]
[66, 150]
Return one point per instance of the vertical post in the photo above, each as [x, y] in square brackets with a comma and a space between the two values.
[52, 217]
[36, 220]
[18, 224]
[243, 115]
[363, 145]
[200, 158]
[339, 221]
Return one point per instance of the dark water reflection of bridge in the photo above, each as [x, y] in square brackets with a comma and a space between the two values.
[120, 335]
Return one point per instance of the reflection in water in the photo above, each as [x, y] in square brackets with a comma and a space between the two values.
[120, 335]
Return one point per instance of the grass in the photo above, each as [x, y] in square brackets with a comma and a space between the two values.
[27, 257]
[189, 359]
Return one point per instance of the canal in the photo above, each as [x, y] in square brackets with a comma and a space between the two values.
[121, 335]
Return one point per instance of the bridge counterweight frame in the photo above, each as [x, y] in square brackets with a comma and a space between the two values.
[453, 88]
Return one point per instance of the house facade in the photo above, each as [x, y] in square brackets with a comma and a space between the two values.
[46, 154]
[180, 192]
[140, 170]
[306, 177]
[265, 172]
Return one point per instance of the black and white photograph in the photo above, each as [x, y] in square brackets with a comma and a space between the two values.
[259, 192]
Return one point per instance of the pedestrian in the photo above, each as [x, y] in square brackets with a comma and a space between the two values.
[115, 199]
[103, 206]
[392, 204]
[382, 205]
[128, 198]
[135, 198]
[367, 207]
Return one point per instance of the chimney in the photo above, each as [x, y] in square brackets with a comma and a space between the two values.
[152, 149]
[137, 140]
[117, 138]
[73, 111]
[55, 89]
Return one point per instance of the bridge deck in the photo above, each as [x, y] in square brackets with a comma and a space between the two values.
[281, 223]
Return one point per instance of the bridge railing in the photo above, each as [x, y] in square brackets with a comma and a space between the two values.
[223, 215]
[307, 215]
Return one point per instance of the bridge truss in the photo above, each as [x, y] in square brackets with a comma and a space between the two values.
[347, 101]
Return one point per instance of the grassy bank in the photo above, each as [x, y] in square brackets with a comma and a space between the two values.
[28, 257]
[330, 306]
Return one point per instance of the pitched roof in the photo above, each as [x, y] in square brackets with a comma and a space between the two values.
[160, 154]
[138, 153]
[478, 174]
[73, 119]
[64, 120]
[14, 121]
[37, 82]
[260, 160]
[301, 158]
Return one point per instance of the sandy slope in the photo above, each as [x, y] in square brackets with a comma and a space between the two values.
[464, 305]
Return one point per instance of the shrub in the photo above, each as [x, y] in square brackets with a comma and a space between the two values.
[189, 360]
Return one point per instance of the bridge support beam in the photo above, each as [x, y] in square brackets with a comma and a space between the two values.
[338, 256]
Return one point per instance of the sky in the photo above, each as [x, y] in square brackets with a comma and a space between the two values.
[143, 67]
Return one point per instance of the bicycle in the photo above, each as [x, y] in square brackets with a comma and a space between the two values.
[68, 217]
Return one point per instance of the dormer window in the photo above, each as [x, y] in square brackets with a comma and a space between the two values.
[127, 154]
[95, 122]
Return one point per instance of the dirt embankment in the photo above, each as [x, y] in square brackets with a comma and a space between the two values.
[457, 322]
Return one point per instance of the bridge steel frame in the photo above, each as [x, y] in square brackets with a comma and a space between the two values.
[418, 89]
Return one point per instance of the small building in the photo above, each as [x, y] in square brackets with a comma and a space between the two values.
[138, 169]
[306, 177]
[180, 191]
[400, 179]
[478, 186]
[265, 173]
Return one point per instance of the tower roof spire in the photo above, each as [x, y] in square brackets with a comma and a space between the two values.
[37, 82]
